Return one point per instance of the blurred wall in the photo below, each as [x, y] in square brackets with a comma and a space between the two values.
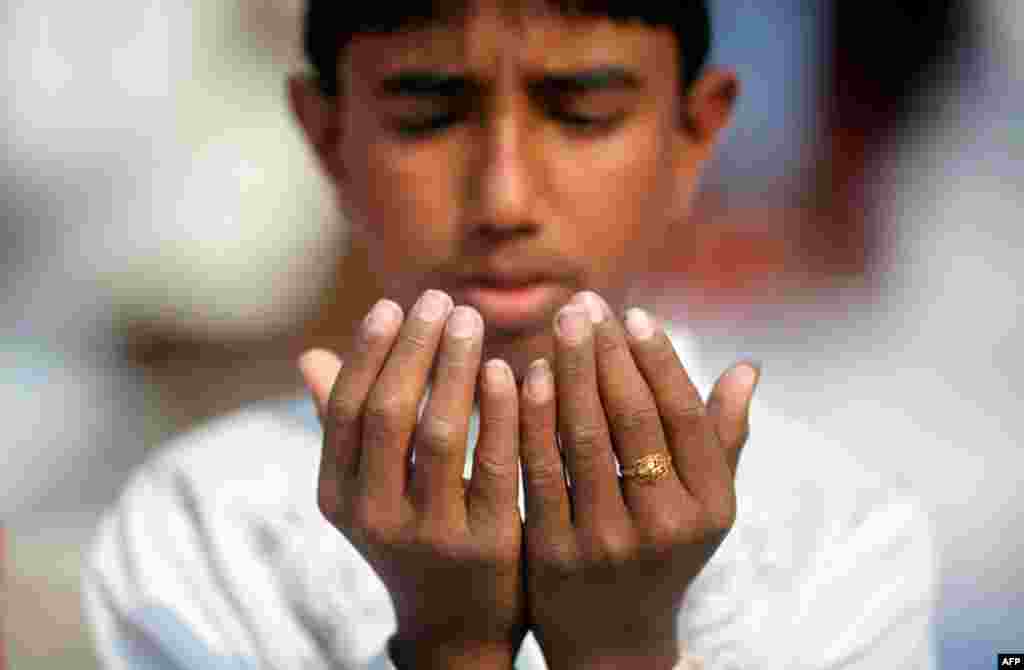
[916, 369]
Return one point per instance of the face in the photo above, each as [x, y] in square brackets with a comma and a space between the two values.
[524, 146]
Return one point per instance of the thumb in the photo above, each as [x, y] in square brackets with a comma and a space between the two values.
[729, 408]
[319, 369]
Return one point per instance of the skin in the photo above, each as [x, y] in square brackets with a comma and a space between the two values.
[521, 183]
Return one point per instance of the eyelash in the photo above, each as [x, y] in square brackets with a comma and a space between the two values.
[430, 126]
[578, 123]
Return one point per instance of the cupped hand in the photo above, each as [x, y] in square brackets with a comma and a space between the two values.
[609, 558]
[449, 553]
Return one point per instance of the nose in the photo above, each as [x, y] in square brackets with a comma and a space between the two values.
[503, 177]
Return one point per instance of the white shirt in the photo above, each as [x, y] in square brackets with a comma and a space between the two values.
[217, 556]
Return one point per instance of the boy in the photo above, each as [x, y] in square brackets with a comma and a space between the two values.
[507, 165]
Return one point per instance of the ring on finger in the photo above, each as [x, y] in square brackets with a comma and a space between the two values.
[649, 468]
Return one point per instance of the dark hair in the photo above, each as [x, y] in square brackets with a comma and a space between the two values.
[331, 24]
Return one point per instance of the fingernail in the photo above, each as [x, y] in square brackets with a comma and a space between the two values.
[571, 324]
[432, 305]
[498, 373]
[538, 381]
[751, 370]
[463, 322]
[639, 324]
[381, 318]
[593, 305]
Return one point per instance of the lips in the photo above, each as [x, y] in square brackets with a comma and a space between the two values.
[513, 304]
[508, 281]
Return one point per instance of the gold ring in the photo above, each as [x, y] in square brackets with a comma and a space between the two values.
[650, 468]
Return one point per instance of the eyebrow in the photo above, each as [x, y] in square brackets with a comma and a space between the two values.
[433, 84]
[422, 83]
[585, 81]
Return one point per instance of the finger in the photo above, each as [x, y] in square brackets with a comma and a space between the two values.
[319, 369]
[586, 443]
[342, 410]
[440, 437]
[631, 411]
[494, 486]
[693, 442]
[729, 409]
[315, 366]
[547, 496]
[392, 408]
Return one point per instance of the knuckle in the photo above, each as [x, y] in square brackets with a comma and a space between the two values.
[556, 558]
[381, 418]
[500, 547]
[343, 413]
[493, 468]
[366, 522]
[644, 418]
[417, 340]
[438, 434]
[585, 439]
[690, 408]
[456, 361]
[546, 474]
[605, 346]
[436, 537]
[608, 548]
[499, 419]
[663, 356]
[574, 366]
[664, 532]
[686, 401]
[722, 516]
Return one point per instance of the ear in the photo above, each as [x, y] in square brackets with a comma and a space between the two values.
[709, 107]
[320, 120]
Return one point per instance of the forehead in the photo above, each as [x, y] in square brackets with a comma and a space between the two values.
[486, 37]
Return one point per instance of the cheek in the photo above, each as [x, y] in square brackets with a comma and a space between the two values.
[405, 205]
[615, 194]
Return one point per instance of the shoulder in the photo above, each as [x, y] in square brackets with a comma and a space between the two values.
[220, 528]
[249, 468]
[262, 443]
[242, 479]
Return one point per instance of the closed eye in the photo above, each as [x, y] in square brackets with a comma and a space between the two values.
[586, 122]
[420, 126]
[429, 125]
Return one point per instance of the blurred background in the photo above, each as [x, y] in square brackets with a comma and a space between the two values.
[168, 247]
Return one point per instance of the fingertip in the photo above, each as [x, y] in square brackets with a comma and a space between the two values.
[751, 377]
[319, 369]
[312, 360]
[756, 368]
[538, 386]
[498, 376]
[741, 377]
